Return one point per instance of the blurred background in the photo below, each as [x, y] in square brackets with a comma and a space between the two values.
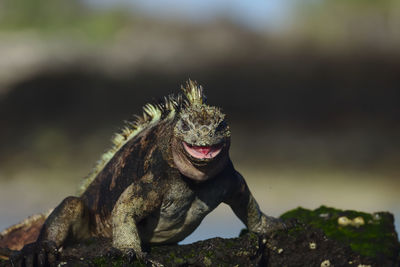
[311, 89]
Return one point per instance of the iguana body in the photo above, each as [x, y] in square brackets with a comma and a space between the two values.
[163, 176]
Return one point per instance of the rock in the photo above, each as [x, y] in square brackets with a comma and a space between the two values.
[314, 238]
[372, 236]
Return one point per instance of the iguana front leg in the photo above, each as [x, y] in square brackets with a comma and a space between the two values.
[69, 220]
[135, 203]
[126, 212]
[247, 210]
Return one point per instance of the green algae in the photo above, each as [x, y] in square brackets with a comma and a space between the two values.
[373, 236]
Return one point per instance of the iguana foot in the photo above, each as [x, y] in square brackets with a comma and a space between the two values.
[39, 254]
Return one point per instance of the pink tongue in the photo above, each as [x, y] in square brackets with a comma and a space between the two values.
[202, 149]
[202, 152]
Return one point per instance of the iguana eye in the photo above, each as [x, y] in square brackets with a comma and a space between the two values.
[184, 126]
[221, 126]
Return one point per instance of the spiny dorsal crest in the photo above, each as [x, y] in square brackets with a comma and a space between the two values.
[194, 93]
[152, 113]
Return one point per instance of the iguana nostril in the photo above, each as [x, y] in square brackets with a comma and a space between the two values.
[204, 130]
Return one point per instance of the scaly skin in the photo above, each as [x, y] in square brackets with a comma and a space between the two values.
[156, 189]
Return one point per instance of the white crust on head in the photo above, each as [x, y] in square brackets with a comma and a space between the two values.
[152, 113]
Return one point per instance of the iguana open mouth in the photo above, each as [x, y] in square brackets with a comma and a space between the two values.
[202, 152]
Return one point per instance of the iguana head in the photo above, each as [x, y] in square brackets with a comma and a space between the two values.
[201, 136]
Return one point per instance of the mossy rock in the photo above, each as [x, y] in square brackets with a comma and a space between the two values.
[370, 235]
[316, 240]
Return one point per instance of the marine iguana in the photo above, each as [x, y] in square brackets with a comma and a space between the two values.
[165, 172]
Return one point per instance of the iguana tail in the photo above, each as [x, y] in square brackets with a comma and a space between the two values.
[17, 236]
